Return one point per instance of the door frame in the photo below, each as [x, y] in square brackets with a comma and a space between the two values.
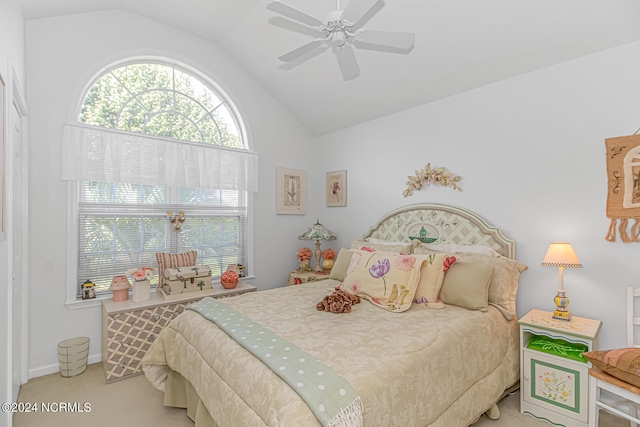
[15, 99]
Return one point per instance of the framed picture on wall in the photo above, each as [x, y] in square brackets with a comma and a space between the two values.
[291, 191]
[336, 188]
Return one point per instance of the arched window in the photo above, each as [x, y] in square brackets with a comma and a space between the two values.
[153, 138]
[161, 100]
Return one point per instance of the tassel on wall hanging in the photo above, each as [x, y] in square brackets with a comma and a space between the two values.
[623, 196]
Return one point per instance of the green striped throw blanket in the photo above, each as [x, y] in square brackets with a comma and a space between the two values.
[329, 396]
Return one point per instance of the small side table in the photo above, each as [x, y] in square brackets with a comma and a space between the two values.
[554, 378]
[298, 277]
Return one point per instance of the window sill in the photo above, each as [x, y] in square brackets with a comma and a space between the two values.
[79, 304]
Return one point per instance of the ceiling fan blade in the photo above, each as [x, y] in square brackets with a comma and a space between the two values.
[356, 9]
[295, 14]
[296, 53]
[347, 61]
[387, 38]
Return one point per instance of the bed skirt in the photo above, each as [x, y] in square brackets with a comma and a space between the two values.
[179, 393]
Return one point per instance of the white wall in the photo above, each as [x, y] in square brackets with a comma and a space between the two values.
[531, 154]
[63, 55]
[12, 67]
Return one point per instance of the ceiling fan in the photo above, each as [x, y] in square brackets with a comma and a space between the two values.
[340, 30]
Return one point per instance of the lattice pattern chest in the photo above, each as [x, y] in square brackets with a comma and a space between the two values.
[129, 328]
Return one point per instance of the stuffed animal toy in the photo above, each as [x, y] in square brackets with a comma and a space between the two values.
[338, 302]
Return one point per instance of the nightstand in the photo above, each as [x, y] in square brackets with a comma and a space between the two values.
[554, 379]
[298, 277]
[129, 328]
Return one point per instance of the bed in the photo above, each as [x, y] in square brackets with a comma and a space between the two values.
[421, 367]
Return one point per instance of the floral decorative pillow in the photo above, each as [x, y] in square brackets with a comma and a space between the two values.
[386, 279]
[434, 267]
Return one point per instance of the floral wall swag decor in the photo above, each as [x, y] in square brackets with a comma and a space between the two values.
[427, 175]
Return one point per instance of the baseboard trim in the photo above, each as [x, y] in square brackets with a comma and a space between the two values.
[52, 369]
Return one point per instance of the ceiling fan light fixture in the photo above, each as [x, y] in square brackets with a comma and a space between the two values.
[339, 38]
[339, 30]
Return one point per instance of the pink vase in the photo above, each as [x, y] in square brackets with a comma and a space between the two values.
[121, 295]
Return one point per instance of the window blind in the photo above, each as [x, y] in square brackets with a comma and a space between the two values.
[122, 226]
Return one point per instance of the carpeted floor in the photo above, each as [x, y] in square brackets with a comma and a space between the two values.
[134, 402]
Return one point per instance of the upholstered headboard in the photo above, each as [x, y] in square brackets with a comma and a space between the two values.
[440, 224]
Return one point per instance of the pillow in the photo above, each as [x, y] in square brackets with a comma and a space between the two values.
[167, 260]
[477, 249]
[421, 249]
[504, 282]
[466, 284]
[339, 270]
[383, 242]
[622, 363]
[432, 274]
[386, 279]
[402, 248]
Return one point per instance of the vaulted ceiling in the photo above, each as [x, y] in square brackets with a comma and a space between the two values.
[459, 45]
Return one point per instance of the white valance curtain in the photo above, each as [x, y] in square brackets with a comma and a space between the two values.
[92, 153]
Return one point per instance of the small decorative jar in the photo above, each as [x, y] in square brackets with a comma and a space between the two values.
[120, 286]
[229, 279]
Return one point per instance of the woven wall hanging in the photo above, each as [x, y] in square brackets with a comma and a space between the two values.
[623, 196]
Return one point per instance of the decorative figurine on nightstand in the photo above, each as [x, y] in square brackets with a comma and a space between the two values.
[88, 290]
[120, 286]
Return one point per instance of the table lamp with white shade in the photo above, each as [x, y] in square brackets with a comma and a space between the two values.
[561, 255]
[317, 232]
